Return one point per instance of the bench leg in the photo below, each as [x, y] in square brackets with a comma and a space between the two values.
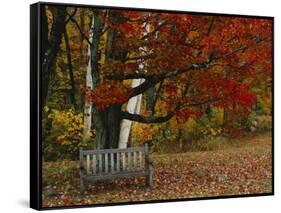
[148, 178]
[82, 186]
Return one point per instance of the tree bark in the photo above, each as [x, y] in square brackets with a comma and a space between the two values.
[82, 24]
[133, 106]
[104, 127]
[89, 85]
[107, 126]
[53, 46]
[70, 69]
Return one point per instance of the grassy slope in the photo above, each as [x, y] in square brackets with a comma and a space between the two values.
[242, 168]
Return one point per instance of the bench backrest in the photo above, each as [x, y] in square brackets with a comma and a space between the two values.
[112, 161]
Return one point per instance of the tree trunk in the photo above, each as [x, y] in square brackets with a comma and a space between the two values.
[179, 139]
[133, 106]
[99, 117]
[81, 39]
[89, 85]
[70, 69]
[51, 50]
[107, 126]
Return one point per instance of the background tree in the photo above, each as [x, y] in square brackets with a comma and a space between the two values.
[187, 66]
[51, 40]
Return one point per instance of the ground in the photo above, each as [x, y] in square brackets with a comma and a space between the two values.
[245, 167]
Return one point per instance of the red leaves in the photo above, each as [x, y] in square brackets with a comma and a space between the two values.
[107, 94]
[210, 42]
[226, 93]
[170, 88]
[126, 27]
[184, 114]
[147, 132]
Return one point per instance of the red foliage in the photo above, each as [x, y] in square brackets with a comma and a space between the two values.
[126, 27]
[107, 94]
[184, 114]
[233, 48]
[170, 88]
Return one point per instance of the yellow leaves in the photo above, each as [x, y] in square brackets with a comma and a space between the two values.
[60, 137]
[143, 132]
[68, 126]
[192, 35]
[66, 142]
[46, 109]
[212, 131]
[217, 69]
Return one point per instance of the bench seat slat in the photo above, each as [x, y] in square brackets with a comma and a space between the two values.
[94, 164]
[88, 164]
[117, 175]
[129, 161]
[112, 162]
[135, 161]
[140, 160]
[106, 162]
[100, 163]
[118, 162]
[123, 162]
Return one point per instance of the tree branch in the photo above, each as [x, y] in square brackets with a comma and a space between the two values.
[158, 27]
[151, 55]
[161, 119]
[211, 25]
[178, 71]
[71, 15]
[157, 96]
[143, 119]
[152, 80]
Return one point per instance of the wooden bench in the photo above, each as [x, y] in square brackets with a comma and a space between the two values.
[114, 163]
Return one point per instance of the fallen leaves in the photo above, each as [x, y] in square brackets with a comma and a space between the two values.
[245, 169]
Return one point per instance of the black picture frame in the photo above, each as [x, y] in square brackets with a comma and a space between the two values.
[36, 105]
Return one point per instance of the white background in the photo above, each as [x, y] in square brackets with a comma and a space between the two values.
[14, 105]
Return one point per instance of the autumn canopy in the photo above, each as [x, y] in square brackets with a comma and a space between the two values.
[186, 64]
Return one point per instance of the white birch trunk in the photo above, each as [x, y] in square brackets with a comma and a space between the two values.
[133, 106]
[89, 85]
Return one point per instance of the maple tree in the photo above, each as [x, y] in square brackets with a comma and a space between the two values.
[200, 60]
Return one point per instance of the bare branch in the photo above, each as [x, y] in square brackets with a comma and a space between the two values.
[143, 57]
[71, 15]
